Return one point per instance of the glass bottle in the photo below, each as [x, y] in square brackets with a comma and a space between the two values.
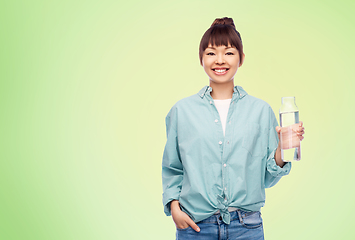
[289, 141]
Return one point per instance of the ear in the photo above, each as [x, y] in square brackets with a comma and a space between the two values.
[242, 61]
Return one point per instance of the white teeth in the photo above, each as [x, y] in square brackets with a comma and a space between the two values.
[220, 70]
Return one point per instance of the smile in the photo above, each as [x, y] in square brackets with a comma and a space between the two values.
[220, 71]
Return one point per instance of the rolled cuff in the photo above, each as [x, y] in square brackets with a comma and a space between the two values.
[169, 196]
[274, 169]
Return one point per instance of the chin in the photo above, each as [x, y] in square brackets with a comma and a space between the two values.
[221, 82]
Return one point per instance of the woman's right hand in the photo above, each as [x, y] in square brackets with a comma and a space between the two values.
[181, 219]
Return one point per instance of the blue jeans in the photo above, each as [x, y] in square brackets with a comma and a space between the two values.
[243, 226]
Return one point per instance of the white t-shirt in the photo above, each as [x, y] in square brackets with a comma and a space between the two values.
[223, 107]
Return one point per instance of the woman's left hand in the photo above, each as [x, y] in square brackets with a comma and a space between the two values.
[297, 128]
[289, 139]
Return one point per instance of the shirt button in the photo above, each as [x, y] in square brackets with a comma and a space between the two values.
[220, 142]
[225, 165]
[210, 102]
[225, 189]
[227, 142]
[216, 120]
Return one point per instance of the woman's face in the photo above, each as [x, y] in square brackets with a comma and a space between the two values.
[221, 63]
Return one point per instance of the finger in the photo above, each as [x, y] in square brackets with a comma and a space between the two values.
[300, 129]
[193, 225]
[182, 226]
[300, 133]
[300, 136]
[301, 123]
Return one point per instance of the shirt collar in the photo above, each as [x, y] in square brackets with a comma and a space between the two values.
[239, 92]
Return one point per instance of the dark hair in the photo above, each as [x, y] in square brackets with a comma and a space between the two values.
[222, 32]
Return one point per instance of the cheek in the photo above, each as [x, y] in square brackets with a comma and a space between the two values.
[235, 63]
[209, 61]
[206, 65]
[206, 69]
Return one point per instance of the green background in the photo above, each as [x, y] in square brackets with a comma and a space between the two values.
[86, 85]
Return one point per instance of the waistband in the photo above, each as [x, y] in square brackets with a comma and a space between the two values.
[230, 209]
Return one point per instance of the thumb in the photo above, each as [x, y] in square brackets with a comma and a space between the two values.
[278, 129]
[193, 225]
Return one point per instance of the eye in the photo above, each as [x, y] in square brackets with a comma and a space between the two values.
[210, 53]
[229, 53]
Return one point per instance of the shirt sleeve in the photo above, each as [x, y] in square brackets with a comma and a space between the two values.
[273, 171]
[172, 169]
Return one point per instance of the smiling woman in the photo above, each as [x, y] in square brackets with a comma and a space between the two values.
[222, 149]
[221, 54]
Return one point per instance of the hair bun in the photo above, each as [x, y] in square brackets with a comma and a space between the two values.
[224, 21]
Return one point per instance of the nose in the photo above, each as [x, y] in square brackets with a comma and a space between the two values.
[220, 59]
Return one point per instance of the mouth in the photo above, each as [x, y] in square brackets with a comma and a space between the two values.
[220, 71]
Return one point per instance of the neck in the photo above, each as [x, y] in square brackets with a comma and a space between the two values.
[222, 90]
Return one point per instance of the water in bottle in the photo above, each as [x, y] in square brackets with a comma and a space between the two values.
[289, 119]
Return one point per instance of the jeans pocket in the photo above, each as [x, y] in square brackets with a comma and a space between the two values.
[183, 229]
[251, 219]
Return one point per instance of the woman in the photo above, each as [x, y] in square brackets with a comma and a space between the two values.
[222, 149]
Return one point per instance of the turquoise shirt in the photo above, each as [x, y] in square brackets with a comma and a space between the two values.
[207, 171]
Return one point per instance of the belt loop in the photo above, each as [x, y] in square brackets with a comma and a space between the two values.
[240, 216]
